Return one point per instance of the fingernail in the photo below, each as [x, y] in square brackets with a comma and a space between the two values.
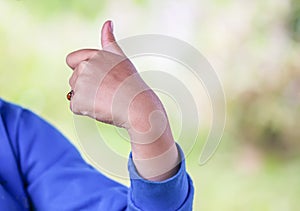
[111, 27]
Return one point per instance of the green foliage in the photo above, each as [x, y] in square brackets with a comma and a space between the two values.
[51, 8]
[141, 2]
[294, 21]
[263, 115]
[267, 117]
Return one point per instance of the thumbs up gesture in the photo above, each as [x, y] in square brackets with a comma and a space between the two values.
[107, 87]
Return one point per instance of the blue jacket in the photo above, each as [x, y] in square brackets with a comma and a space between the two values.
[41, 170]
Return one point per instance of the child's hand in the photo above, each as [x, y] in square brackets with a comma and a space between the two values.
[107, 87]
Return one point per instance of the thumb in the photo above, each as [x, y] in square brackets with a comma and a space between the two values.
[108, 40]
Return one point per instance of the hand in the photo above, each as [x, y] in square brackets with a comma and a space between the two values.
[108, 88]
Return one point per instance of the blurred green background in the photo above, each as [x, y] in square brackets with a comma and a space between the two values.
[253, 45]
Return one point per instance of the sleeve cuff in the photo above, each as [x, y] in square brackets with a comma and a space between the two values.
[171, 194]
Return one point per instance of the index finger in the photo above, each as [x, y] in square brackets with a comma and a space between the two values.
[75, 58]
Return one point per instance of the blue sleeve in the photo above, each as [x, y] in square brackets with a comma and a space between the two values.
[55, 177]
[175, 193]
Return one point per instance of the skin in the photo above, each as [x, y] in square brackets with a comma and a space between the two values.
[108, 88]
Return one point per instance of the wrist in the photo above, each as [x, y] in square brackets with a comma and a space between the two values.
[155, 158]
[151, 138]
[144, 111]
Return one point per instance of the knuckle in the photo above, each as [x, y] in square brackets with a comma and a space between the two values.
[82, 65]
[80, 71]
[74, 108]
[71, 81]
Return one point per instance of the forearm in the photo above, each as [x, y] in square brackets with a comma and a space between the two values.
[106, 86]
[154, 151]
